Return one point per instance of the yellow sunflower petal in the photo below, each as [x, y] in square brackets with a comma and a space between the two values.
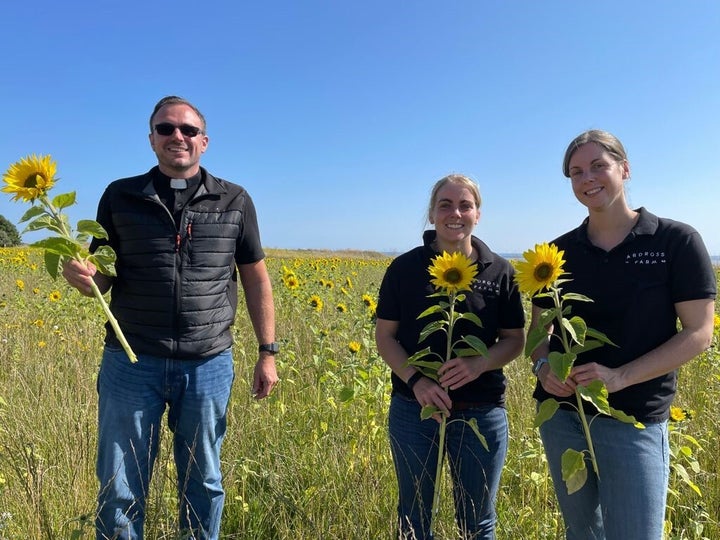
[30, 177]
[452, 272]
[540, 268]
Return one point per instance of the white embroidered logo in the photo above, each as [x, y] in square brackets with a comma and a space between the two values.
[646, 257]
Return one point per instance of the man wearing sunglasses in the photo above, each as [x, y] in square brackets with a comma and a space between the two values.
[182, 238]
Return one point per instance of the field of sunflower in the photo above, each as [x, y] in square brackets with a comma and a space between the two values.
[312, 461]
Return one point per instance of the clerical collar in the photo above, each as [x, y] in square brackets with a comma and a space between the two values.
[180, 183]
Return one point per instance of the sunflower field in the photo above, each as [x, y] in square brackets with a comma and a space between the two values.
[311, 461]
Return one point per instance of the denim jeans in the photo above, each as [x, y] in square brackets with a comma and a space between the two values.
[475, 472]
[132, 400]
[628, 500]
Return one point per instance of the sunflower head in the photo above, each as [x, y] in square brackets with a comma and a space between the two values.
[452, 272]
[540, 268]
[30, 177]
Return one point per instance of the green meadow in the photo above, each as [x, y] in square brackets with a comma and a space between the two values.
[312, 461]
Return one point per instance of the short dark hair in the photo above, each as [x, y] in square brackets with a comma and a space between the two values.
[176, 100]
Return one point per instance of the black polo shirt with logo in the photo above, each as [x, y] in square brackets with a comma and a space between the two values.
[634, 288]
[494, 298]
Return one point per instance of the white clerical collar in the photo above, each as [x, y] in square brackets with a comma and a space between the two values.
[178, 183]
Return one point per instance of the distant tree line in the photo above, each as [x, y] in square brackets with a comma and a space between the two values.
[9, 235]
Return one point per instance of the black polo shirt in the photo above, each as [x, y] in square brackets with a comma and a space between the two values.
[634, 288]
[494, 298]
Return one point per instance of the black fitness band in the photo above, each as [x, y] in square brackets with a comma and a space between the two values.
[412, 381]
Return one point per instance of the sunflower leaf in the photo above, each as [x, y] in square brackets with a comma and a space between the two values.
[32, 212]
[477, 345]
[545, 411]
[596, 334]
[561, 363]
[52, 263]
[575, 296]
[429, 311]
[471, 317]
[574, 471]
[427, 411]
[43, 222]
[589, 345]
[536, 337]
[93, 228]
[104, 258]
[576, 327]
[64, 200]
[474, 426]
[59, 245]
[432, 328]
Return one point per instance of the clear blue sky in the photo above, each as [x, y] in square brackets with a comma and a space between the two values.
[338, 116]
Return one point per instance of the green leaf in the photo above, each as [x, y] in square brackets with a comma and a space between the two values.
[429, 311]
[577, 328]
[596, 393]
[561, 363]
[64, 200]
[589, 345]
[474, 425]
[59, 245]
[53, 263]
[93, 228]
[43, 222]
[427, 411]
[477, 345]
[574, 472]
[595, 334]
[104, 259]
[34, 211]
[471, 317]
[536, 337]
[576, 297]
[418, 355]
[431, 328]
[346, 394]
[545, 412]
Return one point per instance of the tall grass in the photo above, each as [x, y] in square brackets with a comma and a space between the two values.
[312, 461]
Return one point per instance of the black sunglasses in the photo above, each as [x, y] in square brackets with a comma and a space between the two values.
[165, 129]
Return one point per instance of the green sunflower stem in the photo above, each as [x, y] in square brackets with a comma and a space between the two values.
[438, 475]
[443, 423]
[586, 430]
[581, 410]
[113, 322]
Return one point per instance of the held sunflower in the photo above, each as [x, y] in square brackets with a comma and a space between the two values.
[540, 268]
[30, 177]
[452, 272]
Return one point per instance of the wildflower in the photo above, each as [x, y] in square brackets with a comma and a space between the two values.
[716, 322]
[540, 268]
[341, 308]
[54, 296]
[291, 281]
[348, 283]
[36, 290]
[39, 323]
[20, 284]
[452, 272]
[354, 347]
[677, 414]
[41, 344]
[30, 177]
[316, 302]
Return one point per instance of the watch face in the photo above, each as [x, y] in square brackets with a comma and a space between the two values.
[270, 347]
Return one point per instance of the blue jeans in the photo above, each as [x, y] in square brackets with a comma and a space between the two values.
[475, 472]
[628, 500]
[132, 400]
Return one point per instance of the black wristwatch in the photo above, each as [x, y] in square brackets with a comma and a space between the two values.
[272, 348]
[539, 363]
